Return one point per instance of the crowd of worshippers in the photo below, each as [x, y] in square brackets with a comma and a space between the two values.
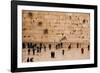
[38, 47]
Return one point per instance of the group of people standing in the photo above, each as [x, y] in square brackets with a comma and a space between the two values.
[37, 48]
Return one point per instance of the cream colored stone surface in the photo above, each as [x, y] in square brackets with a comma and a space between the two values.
[69, 28]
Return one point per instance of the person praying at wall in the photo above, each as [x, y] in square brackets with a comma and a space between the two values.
[28, 59]
[49, 46]
[40, 47]
[82, 50]
[63, 52]
[29, 51]
[38, 50]
[52, 54]
[61, 45]
[33, 49]
[88, 47]
[44, 48]
[69, 47]
[23, 45]
[31, 59]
